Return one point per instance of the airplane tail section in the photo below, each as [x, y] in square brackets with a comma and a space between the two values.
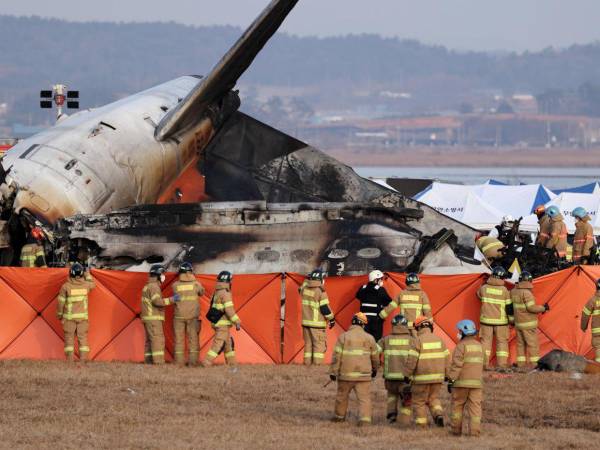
[225, 74]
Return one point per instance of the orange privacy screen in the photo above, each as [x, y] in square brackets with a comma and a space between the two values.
[29, 328]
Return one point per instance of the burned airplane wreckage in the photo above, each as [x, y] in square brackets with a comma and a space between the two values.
[273, 203]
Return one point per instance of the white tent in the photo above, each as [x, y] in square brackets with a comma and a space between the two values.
[460, 203]
[567, 202]
[517, 201]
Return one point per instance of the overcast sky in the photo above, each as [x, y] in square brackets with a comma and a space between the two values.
[462, 24]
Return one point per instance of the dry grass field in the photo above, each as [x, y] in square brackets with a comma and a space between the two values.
[55, 405]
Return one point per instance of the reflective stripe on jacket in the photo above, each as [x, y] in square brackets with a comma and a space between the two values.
[153, 303]
[592, 309]
[223, 301]
[32, 255]
[189, 291]
[399, 351]
[490, 246]
[494, 298]
[413, 302]
[558, 236]
[433, 360]
[73, 298]
[355, 355]
[466, 368]
[583, 241]
[525, 310]
[315, 305]
[544, 234]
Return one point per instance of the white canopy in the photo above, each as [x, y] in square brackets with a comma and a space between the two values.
[460, 203]
[517, 201]
[567, 202]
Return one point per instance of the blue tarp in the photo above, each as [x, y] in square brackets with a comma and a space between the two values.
[585, 189]
[541, 198]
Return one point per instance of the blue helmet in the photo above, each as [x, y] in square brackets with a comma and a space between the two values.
[553, 211]
[467, 327]
[579, 212]
[399, 320]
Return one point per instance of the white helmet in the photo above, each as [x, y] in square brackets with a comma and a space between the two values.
[375, 275]
[508, 218]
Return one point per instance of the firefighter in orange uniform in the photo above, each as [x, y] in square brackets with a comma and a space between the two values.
[526, 319]
[73, 310]
[544, 224]
[153, 315]
[316, 315]
[222, 315]
[558, 232]
[592, 310]
[583, 241]
[32, 253]
[355, 363]
[495, 316]
[465, 379]
[432, 365]
[399, 353]
[187, 311]
[492, 248]
[413, 301]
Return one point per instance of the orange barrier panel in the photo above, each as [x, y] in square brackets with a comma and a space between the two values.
[454, 298]
[29, 328]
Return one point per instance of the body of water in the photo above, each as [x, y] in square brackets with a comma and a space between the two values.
[551, 177]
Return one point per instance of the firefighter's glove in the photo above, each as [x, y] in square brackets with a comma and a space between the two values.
[176, 298]
[373, 373]
[238, 326]
[406, 380]
[331, 324]
[332, 377]
[450, 386]
[546, 306]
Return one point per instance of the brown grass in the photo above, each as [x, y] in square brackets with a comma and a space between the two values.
[54, 405]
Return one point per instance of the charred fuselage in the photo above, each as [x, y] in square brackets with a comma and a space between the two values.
[92, 183]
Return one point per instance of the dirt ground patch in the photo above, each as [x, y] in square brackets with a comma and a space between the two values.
[469, 157]
[51, 404]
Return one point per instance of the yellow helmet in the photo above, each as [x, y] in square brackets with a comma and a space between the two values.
[360, 319]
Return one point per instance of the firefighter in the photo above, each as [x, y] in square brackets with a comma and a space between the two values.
[413, 301]
[316, 315]
[592, 309]
[223, 317]
[32, 253]
[491, 247]
[544, 223]
[432, 364]
[583, 241]
[373, 299]
[465, 380]
[355, 363]
[558, 232]
[72, 310]
[526, 321]
[153, 315]
[494, 316]
[399, 353]
[187, 311]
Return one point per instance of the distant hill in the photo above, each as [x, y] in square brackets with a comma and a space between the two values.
[107, 61]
